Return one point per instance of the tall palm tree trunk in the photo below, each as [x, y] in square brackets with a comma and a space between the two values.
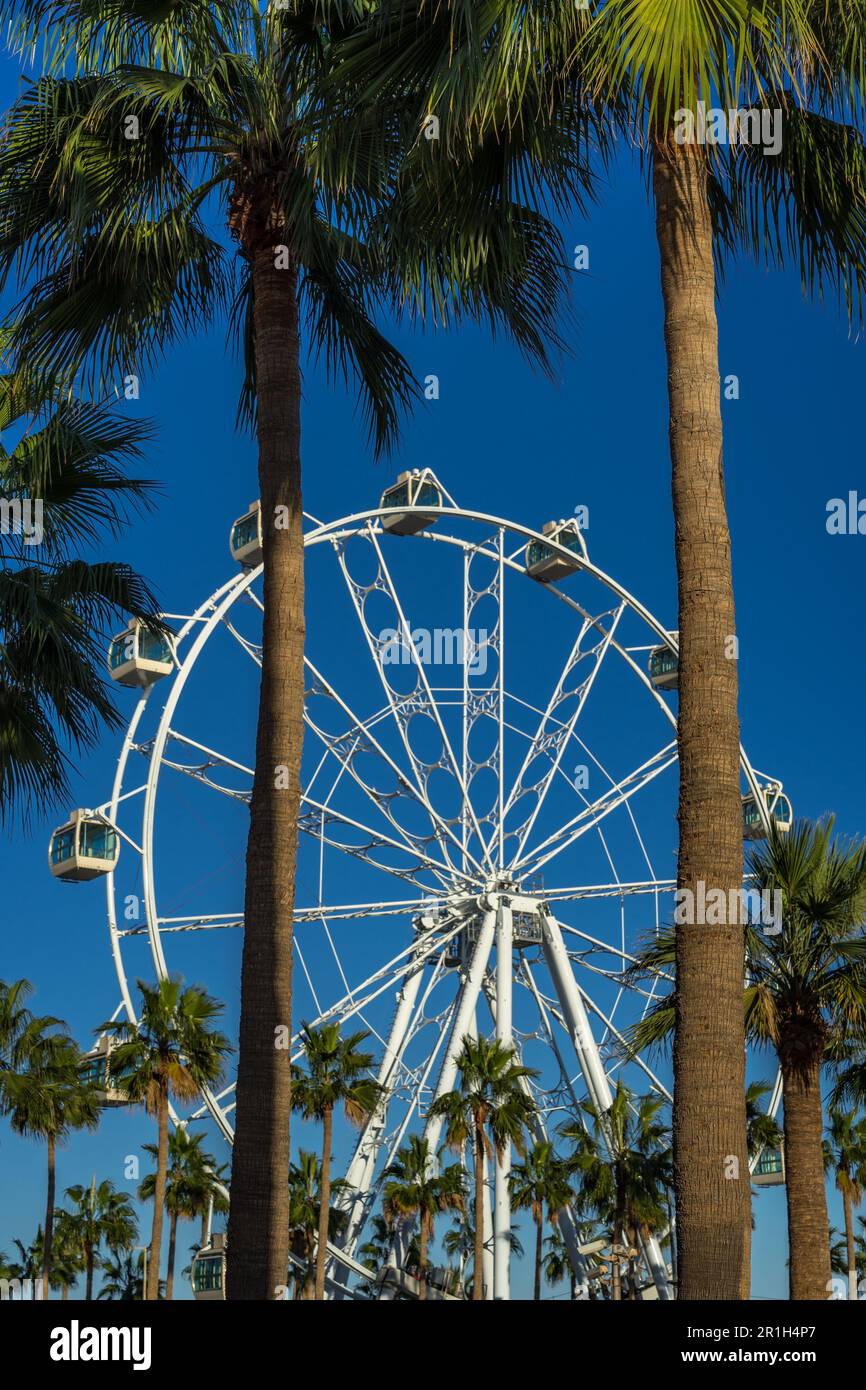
[172, 1243]
[88, 1265]
[49, 1217]
[258, 1231]
[152, 1290]
[478, 1265]
[422, 1258]
[616, 1252]
[849, 1245]
[324, 1202]
[539, 1254]
[809, 1272]
[712, 1193]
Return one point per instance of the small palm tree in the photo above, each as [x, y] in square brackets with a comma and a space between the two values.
[189, 1183]
[414, 1188]
[542, 1180]
[623, 1164]
[490, 1108]
[123, 1277]
[67, 1260]
[45, 1099]
[333, 1077]
[99, 1215]
[171, 1054]
[845, 1156]
[305, 1209]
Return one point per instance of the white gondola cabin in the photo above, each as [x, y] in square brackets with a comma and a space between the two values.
[546, 564]
[416, 489]
[664, 668]
[779, 808]
[85, 847]
[95, 1068]
[245, 538]
[208, 1273]
[770, 1169]
[139, 655]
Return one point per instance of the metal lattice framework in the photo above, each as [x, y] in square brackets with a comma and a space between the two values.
[447, 837]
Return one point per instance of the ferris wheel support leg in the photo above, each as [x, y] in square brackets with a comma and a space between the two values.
[502, 1162]
[567, 1221]
[588, 1056]
[487, 1268]
[359, 1174]
[463, 1023]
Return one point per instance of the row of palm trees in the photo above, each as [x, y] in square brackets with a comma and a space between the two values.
[46, 1093]
[302, 129]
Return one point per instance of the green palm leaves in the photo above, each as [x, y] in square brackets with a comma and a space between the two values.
[334, 1076]
[55, 608]
[414, 1187]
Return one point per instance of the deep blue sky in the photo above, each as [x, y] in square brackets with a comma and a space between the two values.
[508, 441]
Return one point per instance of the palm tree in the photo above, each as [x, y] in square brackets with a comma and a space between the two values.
[123, 1277]
[45, 1099]
[67, 1258]
[623, 1165]
[54, 606]
[541, 1181]
[559, 82]
[305, 1214]
[175, 120]
[333, 1077]
[189, 1185]
[806, 998]
[170, 1054]
[489, 1108]
[845, 1154]
[416, 1187]
[27, 1269]
[100, 1215]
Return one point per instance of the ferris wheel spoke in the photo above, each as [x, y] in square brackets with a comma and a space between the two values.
[402, 708]
[553, 734]
[482, 702]
[359, 739]
[252, 649]
[315, 819]
[596, 811]
[610, 890]
[418, 952]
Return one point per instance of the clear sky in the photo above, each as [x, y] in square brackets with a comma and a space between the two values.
[505, 440]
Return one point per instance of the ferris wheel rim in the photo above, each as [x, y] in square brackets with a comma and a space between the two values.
[211, 612]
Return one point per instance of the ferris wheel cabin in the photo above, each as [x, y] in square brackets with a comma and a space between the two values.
[770, 1168]
[208, 1274]
[664, 668]
[139, 655]
[84, 848]
[779, 808]
[95, 1069]
[546, 564]
[416, 489]
[245, 538]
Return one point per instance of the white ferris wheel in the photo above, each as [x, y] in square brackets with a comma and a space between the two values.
[487, 827]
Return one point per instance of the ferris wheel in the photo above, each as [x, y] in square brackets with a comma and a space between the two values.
[487, 824]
